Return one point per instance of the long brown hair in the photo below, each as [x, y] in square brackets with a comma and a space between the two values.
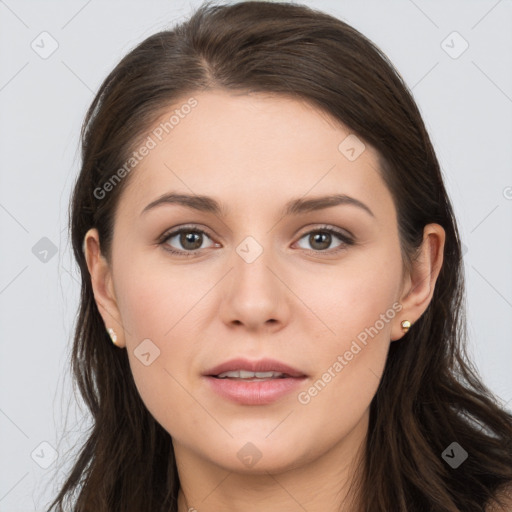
[430, 394]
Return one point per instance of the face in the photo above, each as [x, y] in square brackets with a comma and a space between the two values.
[275, 273]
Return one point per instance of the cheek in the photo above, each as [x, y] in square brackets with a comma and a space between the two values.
[359, 306]
[160, 307]
[151, 294]
[160, 349]
[353, 297]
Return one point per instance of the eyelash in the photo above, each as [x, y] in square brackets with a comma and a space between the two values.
[347, 241]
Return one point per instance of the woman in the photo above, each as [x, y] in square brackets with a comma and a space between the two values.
[271, 311]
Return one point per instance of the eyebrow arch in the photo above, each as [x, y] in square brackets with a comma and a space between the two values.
[294, 207]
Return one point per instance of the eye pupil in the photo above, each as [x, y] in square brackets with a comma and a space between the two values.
[188, 237]
[323, 238]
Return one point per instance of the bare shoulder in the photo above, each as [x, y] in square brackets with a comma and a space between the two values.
[505, 497]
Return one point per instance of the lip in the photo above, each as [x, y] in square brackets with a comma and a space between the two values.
[252, 392]
[261, 365]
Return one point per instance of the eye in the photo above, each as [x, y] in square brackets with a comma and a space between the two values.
[190, 239]
[320, 239]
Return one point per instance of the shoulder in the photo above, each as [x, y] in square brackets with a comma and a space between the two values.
[504, 495]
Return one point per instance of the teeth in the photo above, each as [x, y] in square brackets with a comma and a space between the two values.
[266, 375]
[244, 374]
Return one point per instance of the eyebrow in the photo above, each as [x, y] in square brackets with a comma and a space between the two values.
[293, 207]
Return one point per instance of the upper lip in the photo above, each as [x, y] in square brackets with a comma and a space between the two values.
[261, 365]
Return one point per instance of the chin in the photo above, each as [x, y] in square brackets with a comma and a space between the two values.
[256, 456]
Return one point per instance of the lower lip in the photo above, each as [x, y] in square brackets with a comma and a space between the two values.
[254, 393]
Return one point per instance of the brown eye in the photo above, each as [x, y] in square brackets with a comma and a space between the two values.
[188, 240]
[321, 239]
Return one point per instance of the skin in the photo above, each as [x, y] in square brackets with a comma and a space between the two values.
[298, 302]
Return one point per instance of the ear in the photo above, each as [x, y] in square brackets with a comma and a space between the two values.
[102, 285]
[419, 283]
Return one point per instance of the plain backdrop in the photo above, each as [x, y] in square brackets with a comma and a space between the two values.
[454, 55]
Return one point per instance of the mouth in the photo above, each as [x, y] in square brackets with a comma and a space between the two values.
[254, 382]
[248, 376]
[262, 369]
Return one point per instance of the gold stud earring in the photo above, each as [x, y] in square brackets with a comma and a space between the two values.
[113, 335]
[406, 325]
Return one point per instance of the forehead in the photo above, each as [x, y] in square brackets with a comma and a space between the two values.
[252, 149]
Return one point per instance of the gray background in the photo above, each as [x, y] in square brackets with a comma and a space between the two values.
[466, 101]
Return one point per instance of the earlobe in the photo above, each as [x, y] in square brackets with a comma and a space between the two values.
[419, 290]
[102, 285]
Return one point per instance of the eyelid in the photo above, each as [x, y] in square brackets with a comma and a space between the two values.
[344, 233]
[176, 230]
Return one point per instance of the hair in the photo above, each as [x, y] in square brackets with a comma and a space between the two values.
[430, 394]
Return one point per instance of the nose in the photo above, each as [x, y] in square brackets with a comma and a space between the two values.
[255, 295]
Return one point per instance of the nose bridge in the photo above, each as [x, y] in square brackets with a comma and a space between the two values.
[252, 258]
[255, 293]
